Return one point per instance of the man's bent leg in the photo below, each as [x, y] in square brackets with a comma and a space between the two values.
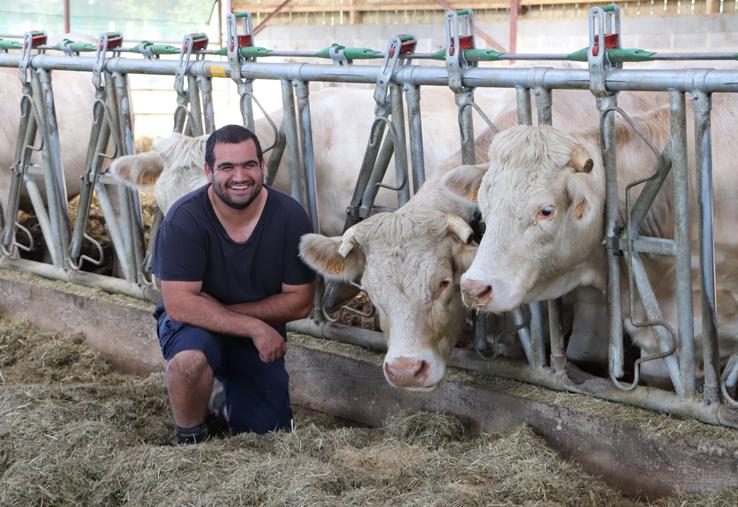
[257, 393]
[193, 358]
[189, 382]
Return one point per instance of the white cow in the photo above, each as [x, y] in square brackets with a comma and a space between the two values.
[341, 119]
[73, 96]
[409, 262]
[400, 262]
[543, 200]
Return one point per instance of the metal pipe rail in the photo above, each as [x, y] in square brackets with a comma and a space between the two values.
[563, 381]
[685, 80]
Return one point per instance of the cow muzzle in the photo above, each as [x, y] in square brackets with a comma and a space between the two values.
[408, 373]
[475, 294]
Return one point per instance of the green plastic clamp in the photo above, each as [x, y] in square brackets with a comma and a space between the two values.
[609, 8]
[77, 47]
[240, 14]
[405, 37]
[351, 53]
[615, 55]
[324, 53]
[156, 49]
[6, 44]
[463, 12]
[254, 51]
[473, 55]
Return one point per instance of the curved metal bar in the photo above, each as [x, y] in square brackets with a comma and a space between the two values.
[631, 255]
[481, 113]
[729, 379]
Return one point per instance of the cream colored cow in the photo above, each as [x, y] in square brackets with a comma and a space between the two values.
[543, 200]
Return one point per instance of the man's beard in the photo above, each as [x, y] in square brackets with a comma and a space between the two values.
[222, 193]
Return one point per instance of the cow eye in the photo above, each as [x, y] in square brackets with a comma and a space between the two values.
[546, 213]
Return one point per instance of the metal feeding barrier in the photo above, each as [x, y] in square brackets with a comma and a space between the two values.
[712, 400]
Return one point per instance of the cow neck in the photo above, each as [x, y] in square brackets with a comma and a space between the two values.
[238, 225]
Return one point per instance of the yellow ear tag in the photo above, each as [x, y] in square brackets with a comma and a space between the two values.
[474, 195]
[334, 266]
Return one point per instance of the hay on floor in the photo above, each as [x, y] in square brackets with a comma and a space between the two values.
[73, 432]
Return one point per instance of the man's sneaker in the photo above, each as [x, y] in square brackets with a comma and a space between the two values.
[217, 422]
[216, 404]
[194, 435]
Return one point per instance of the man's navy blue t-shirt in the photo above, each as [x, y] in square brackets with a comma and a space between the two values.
[192, 245]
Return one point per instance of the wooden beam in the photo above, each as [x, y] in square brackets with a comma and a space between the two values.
[482, 35]
[263, 23]
[67, 17]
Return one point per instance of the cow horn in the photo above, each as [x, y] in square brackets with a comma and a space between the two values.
[580, 160]
[458, 227]
[348, 241]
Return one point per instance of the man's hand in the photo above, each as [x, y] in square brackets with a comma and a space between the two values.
[269, 343]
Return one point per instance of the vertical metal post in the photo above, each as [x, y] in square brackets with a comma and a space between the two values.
[522, 98]
[702, 104]
[195, 117]
[537, 344]
[289, 125]
[206, 92]
[245, 91]
[543, 106]
[466, 125]
[612, 233]
[558, 356]
[306, 138]
[412, 97]
[53, 175]
[400, 146]
[683, 271]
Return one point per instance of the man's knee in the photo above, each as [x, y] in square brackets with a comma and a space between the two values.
[189, 365]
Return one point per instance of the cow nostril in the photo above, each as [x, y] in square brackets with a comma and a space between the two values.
[423, 370]
[485, 293]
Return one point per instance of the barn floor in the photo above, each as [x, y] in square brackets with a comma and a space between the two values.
[74, 432]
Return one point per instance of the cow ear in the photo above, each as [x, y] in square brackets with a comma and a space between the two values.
[463, 256]
[464, 181]
[585, 202]
[138, 170]
[324, 255]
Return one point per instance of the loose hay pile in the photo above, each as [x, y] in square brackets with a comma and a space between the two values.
[73, 432]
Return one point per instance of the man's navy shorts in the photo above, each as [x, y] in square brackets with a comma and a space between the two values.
[257, 396]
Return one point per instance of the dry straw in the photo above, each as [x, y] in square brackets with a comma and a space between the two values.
[73, 432]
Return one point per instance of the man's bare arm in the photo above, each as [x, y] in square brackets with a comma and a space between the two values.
[185, 302]
[294, 302]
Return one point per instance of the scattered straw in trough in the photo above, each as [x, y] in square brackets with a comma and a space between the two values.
[73, 432]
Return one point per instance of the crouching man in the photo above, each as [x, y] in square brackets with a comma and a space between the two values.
[227, 262]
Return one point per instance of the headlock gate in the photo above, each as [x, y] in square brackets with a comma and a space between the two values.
[712, 400]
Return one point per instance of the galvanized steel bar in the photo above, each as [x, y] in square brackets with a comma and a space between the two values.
[683, 264]
[289, 127]
[55, 188]
[665, 337]
[412, 98]
[612, 230]
[106, 283]
[522, 96]
[466, 125]
[205, 84]
[656, 399]
[400, 145]
[701, 106]
[306, 142]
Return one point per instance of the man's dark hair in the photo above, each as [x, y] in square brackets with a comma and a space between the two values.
[230, 134]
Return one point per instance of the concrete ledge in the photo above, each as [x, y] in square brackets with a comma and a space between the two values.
[347, 381]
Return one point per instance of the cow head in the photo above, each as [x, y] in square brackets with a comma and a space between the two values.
[542, 206]
[409, 264]
[175, 167]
